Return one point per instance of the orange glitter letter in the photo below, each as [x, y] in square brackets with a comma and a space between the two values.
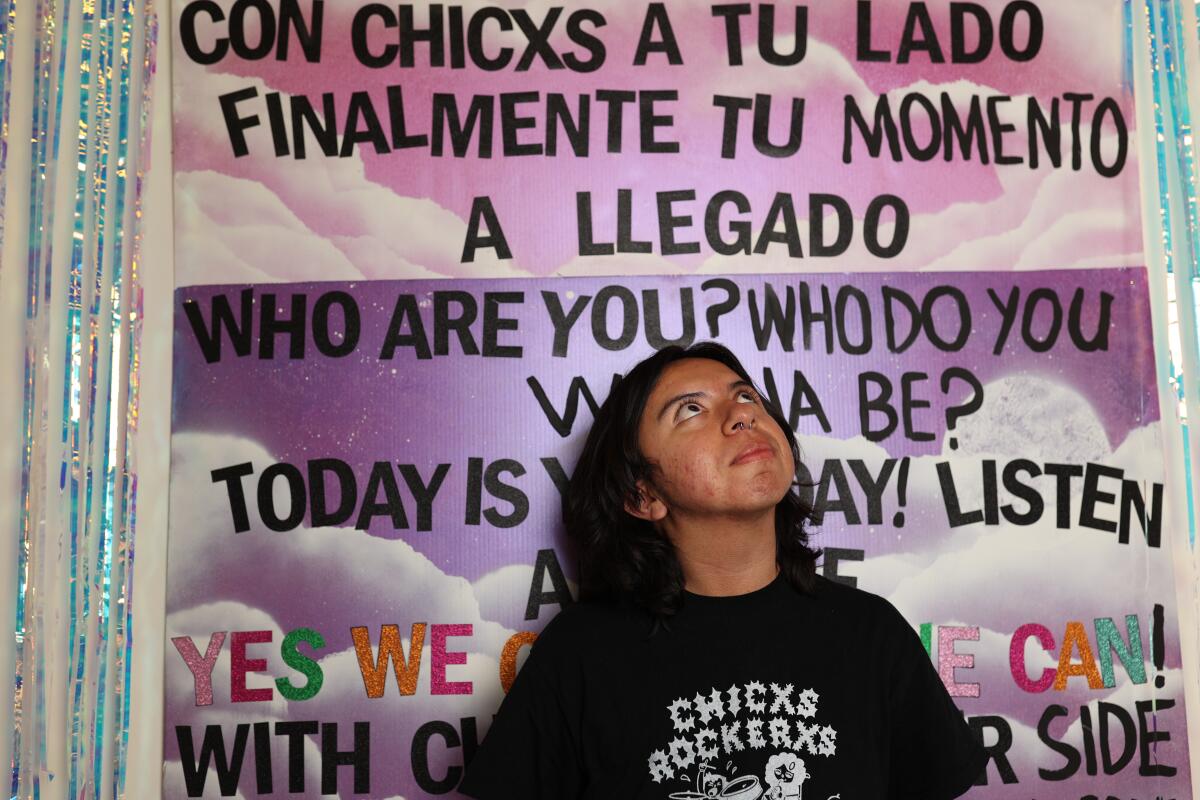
[508, 657]
[374, 671]
[1076, 637]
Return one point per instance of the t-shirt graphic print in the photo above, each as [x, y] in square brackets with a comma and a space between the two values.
[723, 736]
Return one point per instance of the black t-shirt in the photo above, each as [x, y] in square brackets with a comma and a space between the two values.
[772, 694]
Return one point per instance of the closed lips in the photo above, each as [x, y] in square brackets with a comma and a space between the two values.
[754, 452]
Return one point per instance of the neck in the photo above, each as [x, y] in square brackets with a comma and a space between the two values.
[722, 557]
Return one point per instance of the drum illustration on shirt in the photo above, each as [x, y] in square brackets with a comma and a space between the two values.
[726, 726]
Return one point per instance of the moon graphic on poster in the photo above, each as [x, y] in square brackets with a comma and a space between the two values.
[1032, 417]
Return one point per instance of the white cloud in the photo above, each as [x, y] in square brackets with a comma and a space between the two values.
[1081, 214]
[504, 592]
[236, 230]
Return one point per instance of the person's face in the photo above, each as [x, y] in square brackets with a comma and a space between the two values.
[717, 450]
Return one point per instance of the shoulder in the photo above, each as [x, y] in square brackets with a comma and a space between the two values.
[850, 601]
[583, 629]
[864, 616]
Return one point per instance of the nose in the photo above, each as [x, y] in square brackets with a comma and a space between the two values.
[741, 417]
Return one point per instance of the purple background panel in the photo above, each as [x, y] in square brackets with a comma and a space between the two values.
[1061, 405]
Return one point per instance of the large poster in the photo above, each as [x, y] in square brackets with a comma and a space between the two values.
[367, 457]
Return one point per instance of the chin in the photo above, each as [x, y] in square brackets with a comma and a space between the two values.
[766, 501]
[770, 489]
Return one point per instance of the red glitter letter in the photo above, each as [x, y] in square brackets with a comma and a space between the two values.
[240, 665]
[1016, 656]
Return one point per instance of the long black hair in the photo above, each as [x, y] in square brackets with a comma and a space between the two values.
[625, 558]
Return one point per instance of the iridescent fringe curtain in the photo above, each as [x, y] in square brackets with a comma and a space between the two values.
[74, 97]
[75, 78]
[1164, 39]
[1171, 31]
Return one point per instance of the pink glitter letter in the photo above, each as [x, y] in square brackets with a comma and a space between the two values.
[440, 659]
[201, 666]
[948, 659]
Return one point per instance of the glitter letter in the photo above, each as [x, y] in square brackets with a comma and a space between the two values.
[201, 667]
[1075, 637]
[441, 658]
[308, 667]
[374, 671]
[508, 657]
[240, 665]
[1109, 639]
[1016, 657]
[948, 659]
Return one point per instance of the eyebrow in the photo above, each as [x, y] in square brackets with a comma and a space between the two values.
[738, 384]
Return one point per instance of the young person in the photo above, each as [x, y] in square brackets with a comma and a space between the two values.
[707, 658]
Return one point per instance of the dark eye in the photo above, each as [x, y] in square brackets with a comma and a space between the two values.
[749, 394]
[679, 415]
